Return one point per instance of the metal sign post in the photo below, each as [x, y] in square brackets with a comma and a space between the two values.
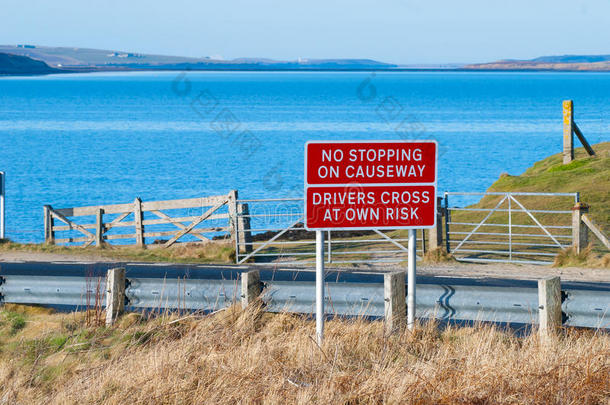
[2, 235]
[411, 280]
[369, 185]
[320, 286]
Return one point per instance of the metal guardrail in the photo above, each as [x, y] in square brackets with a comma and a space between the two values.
[348, 294]
[186, 294]
[503, 229]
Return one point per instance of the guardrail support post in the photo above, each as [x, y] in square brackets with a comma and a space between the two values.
[137, 217]
[568, 131]
[435, 235]
[250, 287]
[394, 297]
[580, 237]
[115, 294]
[49, 233]
[549, 307]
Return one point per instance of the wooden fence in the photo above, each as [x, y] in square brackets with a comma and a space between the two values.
[221, 210]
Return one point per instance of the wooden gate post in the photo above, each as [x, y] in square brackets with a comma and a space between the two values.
[580, 237]
[568, 131]
[250, 287]
[435, 235]
[49, 233]
[233, 210]
[115, 294]
[394, 297]
[99, 227]
[137, 218]
[549, 307]
[243, 227]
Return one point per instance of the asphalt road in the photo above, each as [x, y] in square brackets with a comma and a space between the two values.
[279, 273]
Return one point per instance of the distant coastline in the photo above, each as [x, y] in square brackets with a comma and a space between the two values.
[35, 60]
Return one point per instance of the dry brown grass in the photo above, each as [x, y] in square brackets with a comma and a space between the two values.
[438, 255]
[586, 258]
[238, 356]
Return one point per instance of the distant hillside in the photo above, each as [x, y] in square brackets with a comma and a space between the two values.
[88, 59]
[16, 65]
[572, 59]
[100, 59]
[563, 62]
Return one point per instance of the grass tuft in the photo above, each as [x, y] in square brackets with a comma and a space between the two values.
[17, 322]
[586, 258]
[438, 255]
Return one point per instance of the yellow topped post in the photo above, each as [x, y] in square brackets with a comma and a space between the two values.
[568, 131]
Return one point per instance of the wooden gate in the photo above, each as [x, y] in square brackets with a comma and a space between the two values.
[197, 219]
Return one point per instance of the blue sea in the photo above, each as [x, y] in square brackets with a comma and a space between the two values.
[89, 139]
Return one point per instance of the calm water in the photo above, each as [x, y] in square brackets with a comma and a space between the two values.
[107, 138]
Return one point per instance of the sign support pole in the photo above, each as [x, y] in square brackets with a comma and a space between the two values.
[320, 286]
[396, 190]
[2, 234]
[411, 280]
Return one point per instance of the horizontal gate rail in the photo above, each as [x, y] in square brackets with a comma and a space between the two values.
[520, 193]
[481, 242]
[531, 235]
[514, 225]
[513, 210]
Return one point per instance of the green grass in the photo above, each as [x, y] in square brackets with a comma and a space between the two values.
[590, 176]
[12, 321]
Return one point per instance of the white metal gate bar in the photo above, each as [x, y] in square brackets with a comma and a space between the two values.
[386, 237]
[537, 222]
[479, 225]
[269, 241]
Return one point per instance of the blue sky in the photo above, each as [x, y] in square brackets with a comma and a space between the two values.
[406, 32]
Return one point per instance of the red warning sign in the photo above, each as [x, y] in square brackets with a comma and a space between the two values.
[370, 185]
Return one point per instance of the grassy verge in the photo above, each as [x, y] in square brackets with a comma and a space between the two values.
[216, 252]
[237, 356]
[588, 175]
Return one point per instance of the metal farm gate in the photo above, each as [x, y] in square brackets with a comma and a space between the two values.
[527, 228]
[276, 236]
